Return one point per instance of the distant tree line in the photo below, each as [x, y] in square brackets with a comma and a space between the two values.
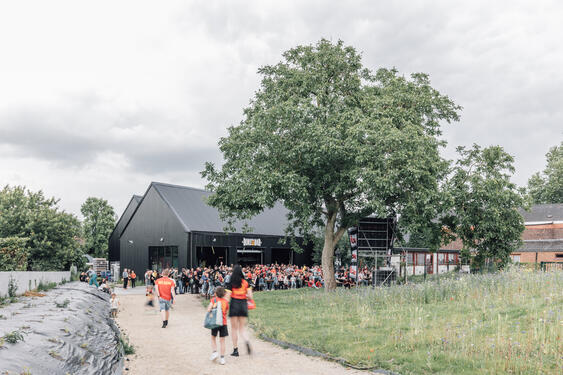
[36, 235]
[547, 186]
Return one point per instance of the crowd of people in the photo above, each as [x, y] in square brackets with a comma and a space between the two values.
[262, 277]
[204, 280]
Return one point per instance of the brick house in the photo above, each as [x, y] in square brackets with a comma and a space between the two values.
[543, 236]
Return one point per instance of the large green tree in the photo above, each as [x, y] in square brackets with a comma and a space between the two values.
[484, 203]
[13, 254]
[99, 221]
[334, 142]
[547, 187]
[37, 232]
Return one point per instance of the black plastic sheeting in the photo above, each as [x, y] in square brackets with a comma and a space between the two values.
[75, 337]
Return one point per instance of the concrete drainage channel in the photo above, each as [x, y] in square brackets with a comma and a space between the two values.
[68, 331]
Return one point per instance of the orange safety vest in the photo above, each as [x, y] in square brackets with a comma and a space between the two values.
[240, 293]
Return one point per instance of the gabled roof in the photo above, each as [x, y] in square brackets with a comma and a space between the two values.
[190, 207]
[124, 219]
[543, 213]
[549, 245]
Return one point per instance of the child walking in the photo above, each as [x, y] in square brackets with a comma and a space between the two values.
[114, 305]
[222, 330]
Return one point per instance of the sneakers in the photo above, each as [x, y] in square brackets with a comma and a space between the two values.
[222, 360]
[248, 349]
[214, 356]
[235, 352]
[164, 323]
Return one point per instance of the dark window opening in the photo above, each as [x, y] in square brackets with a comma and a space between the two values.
[559, 255]
[161, 257]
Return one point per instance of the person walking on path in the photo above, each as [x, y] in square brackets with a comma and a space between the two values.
[222, 330]
[133, 277]
[93, 278]
[165, 293]
[238, 291]
[125, 278]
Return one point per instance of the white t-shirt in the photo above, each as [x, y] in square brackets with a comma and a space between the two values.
[114, 303]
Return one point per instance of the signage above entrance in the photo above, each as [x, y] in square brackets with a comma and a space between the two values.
[251, 242]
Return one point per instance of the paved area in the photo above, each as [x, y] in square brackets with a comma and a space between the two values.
[184, 347]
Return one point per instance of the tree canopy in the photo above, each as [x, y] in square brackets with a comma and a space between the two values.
[35, 234]
[334, 142]
[547, 187]
[484, 203]
[99, 221]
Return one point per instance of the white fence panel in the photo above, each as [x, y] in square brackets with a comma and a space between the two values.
[30, 280]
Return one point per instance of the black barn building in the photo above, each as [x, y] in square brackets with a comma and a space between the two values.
[116, 234]
[173, 226]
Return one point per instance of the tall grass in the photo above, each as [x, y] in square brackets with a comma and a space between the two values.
[510, 322]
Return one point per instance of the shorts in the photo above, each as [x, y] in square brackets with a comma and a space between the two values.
[223, 331]
[239, 307]
[114, 309]
[164, 304]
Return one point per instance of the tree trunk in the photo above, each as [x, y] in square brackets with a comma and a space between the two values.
[328, 252]
[328, 260]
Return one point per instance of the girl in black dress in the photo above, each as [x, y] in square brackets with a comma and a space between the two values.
[238, 291]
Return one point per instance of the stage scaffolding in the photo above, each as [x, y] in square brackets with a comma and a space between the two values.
[375, 238]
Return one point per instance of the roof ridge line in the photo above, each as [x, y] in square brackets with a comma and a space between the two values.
[178, 186]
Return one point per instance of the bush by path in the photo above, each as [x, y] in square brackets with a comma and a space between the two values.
[510, 322]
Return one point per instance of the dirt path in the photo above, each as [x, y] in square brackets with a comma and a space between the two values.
[184, 347]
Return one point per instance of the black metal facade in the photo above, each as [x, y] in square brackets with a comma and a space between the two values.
[154, 223]
[114, 243]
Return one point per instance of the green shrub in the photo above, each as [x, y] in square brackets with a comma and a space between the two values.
[12, 287]
[13, 337]
[128, 348]
[43, 287]
[13, 254]
[63, 304]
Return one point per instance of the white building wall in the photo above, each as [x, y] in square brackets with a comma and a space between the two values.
[29, 280]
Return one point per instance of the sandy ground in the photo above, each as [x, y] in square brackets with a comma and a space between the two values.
[184, 347]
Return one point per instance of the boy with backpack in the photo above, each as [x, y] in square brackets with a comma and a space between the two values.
[221, 330]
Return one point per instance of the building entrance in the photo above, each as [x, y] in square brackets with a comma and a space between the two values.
[282, 256]
[248, 257]
[211, 255]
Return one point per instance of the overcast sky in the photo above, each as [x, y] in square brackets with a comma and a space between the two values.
[100, 98]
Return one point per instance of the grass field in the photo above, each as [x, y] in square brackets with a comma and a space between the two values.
[510, 322]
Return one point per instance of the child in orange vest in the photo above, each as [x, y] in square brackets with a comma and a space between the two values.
[222, 331]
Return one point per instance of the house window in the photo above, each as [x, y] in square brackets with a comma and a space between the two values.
[441, 258]
[515, 258]
[452, 258]
[409, 258]
[559, 255]
[420, 258]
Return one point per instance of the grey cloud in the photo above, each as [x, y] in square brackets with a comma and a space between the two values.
[499, 60]
[68, 139]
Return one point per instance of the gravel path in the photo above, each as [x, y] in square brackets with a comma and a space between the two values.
[184, 347]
